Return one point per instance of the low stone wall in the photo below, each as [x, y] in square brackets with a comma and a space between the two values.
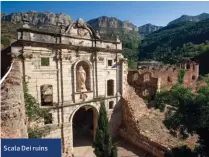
[140, 142]
[13, 117]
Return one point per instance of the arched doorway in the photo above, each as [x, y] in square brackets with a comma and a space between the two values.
[84, 125]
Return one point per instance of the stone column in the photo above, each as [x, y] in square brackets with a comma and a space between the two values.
[68, 136]
[158, 84]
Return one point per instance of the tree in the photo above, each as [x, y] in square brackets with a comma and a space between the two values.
[190, 114]
[103, 143]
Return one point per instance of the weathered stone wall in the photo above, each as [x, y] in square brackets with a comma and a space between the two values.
[13, 117]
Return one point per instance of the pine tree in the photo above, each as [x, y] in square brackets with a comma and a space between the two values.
[103, 142]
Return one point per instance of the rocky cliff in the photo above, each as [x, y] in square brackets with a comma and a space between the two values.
[111, 22]
[185, 18]
[37, 18]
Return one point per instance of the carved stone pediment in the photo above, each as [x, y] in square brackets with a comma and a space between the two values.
[82, 32]
[79, 29]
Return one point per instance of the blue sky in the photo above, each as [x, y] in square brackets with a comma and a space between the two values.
[139, 13]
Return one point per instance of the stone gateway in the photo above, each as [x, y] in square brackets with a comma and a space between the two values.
[70, 72]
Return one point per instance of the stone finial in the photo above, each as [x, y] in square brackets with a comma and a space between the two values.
[81, 21]
[62, 28]
[117, 39]
[97, 34]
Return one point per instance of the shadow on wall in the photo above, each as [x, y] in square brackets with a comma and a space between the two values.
[116, 118]
[6, 60]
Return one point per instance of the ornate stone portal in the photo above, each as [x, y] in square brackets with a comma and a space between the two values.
[77, 74]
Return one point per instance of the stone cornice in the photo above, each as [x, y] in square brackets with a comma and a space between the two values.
[68, 104]
[64, 46]
[62, 35]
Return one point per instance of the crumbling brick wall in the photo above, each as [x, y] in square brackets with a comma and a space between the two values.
[145, 84]
[143, 126]
[134, 108]
[148, 80]
[13, 117]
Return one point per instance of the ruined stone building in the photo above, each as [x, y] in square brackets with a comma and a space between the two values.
[154, 76]
[70, 72]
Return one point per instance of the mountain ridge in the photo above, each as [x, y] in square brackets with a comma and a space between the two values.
[185, 18]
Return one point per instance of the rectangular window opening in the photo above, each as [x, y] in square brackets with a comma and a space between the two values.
[111, 105]
[109, 62]
[44, 61]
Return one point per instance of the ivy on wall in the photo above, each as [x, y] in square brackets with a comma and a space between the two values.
[35, 114]
[37, 132]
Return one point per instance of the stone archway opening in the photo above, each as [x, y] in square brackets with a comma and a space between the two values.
[84, 126]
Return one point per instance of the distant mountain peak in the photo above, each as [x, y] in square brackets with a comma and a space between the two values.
[111, 22]
[185, 18]
[148, 28]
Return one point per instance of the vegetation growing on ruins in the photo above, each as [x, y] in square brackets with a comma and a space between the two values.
[189, 113]
[181, 75]
[34, 114]
[103, 142]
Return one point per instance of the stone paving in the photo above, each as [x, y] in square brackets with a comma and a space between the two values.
[83, 148]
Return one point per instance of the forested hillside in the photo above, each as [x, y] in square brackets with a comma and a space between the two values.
[185, 18]
[174, 42]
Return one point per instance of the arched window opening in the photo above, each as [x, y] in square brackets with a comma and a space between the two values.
[146, 77]
[46, 95]
[193, 77]
[169, 79]
[110, 87]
